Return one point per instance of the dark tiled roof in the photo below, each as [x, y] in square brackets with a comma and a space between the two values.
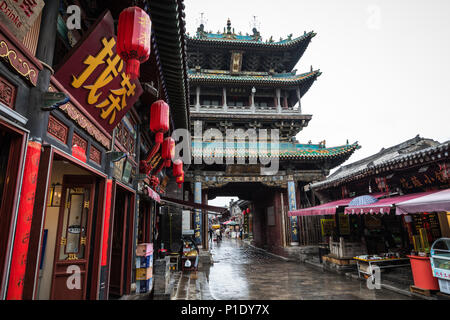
[409, 152]
[249, 41]
[285, 79]
[294, 48]
[168, 32]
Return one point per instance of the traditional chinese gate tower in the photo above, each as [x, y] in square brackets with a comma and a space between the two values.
[242, 82]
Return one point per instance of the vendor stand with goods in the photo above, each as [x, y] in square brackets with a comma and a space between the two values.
[429, 219]
[189, 254]
[381, 232]
[365, 263]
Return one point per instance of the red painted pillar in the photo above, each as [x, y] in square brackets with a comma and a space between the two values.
[24, 218]
[103, 291]
[107, 220]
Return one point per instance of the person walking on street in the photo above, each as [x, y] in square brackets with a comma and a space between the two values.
[210, 234]
[218, 237]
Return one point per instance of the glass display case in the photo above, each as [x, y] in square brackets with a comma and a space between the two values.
[440, 263]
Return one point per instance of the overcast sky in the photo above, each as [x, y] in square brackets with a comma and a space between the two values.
[385, 64]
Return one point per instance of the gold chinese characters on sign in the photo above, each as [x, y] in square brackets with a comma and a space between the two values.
[116, 100]
[96, 77]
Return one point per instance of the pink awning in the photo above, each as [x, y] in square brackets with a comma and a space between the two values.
[384, 205]
[438, 201]
[323, 209]
[326, 208]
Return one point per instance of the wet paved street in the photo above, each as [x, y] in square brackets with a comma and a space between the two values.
[241, 272]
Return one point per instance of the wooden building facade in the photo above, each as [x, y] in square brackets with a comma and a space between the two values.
[74, 202]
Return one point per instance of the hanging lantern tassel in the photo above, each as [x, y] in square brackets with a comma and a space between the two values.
[133, 39]
[178, 172]
[167, 154]
[180, 180]
[154, 181]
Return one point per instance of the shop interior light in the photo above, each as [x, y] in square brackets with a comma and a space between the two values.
[55, 194]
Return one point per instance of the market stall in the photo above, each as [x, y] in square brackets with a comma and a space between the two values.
[189, 254]
[428, 218]
[384, 233]
[340, 237]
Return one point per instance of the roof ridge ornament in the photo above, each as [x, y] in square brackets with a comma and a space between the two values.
[229, 34]
[255, 25]
[202, 21]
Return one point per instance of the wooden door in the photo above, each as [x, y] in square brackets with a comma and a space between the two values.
[72, 241]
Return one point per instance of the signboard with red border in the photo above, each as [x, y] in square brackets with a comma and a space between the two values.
[95, 76]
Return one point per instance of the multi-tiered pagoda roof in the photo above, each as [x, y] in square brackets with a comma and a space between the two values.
[304, 80]
[243, 82]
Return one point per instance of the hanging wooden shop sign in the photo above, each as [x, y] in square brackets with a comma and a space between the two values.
[118, 169]
[19, 15]
[95, 76]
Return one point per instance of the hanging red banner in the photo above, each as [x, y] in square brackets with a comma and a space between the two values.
[95, 76]
[24, 217]
[79, 153]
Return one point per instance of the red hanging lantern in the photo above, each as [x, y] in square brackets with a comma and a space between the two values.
[159, 119]
[177, 168]
[159, 124]
[248, 210]
[133, 39]
[168, 151]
